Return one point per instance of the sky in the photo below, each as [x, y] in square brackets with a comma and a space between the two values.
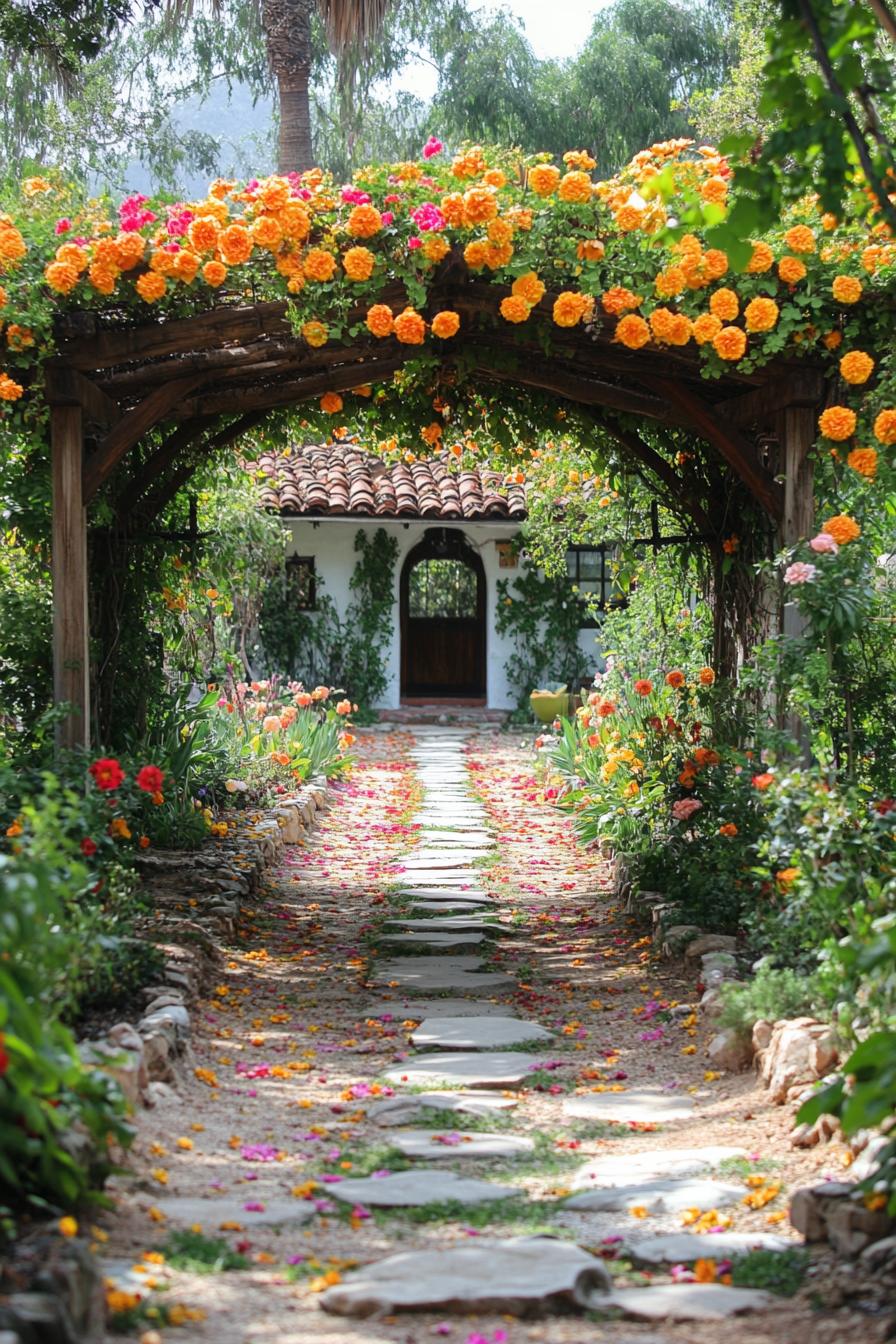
[555, 29]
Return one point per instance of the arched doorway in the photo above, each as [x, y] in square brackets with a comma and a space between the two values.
[443, 619]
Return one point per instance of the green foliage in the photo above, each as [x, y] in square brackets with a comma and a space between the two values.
[543, 617]
[195, 1253]
[780, 1272]
[324, 648]
[772, 993]
[47, 1097]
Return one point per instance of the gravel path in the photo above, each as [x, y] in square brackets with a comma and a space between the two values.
[296, 1052]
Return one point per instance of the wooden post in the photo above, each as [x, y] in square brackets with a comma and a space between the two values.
[798, 431]
[71, 660]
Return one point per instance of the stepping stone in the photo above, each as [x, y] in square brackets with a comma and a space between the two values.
[451, 923]
[418, 1009]
[402, 1110]
[471, 894]
[512, 1276]
[477, 1033]
[625, 1106]
[435, 939]
[415, 1189]
[472, 839]
[458, 1143]
[470, 910]
[685, 1247]
[690, 1301]
[435, 973]
[445, 881]
[659, 1197]
[653, 1165]
[440, 858]
[211, 1213]
[495, 1068]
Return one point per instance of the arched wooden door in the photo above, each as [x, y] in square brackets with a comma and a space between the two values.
[443, 619]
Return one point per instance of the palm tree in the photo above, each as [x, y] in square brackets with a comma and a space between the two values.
[349, 25]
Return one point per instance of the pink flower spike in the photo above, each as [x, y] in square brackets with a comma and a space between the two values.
[432, 147]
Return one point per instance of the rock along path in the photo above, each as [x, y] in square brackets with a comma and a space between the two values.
[436, 1137]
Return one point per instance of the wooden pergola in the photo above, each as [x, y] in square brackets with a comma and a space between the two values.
[206, 380]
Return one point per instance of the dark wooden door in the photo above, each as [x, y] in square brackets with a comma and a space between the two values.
[443, 619]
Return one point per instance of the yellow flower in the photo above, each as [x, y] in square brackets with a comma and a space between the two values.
[68, 1226]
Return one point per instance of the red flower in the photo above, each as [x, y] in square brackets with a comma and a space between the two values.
[643, 687]
[107, 773]
[88, 847]
[150, 779]
[4, 1057]
[885, 806]
[656, 723]
[763, 781]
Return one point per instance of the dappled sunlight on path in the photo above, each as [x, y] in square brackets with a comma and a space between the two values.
[304, 1048]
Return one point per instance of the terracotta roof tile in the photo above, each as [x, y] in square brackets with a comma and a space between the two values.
[346, 480]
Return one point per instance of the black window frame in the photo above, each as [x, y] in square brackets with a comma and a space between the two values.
[294, 565]
[590, 616]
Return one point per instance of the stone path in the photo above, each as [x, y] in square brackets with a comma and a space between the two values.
[408, 1135]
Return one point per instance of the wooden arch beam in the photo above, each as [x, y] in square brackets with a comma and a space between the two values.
[159, 462]
[649, 458]
[165, 490]
[143, 417]
[737, 451]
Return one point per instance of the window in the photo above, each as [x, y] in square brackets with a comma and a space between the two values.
[442, 588]
[301, 583]
[590, 571]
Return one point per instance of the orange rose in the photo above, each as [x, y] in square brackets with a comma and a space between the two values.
[724, 304]
[762, 260]
[590, 249]
[358, 263]
[435, 247]
[331, 403]
[714, 189]
[675, 678]
[543, 179]
[706, 328]
[632, 331]
[266, 232]
[731, 343]
[480, 206]
[235, 244]
[515, 308]
[476, 254]
[619, 300]
[319, 265]
[528, 287]
[445, 324]
[364, 221]
[151, 286]
[380, 320]
[61, 276]
[575, 187]
[761, 314]
[315, 334]
[856, 367]
[202, 233]
[570, 307]
[670, 328]
[410, 328]
[864, 461]
[706, 676]
[837, 423]
[800, 238]
[716, 262]
[846, 289]
[791, 270]
[214, 273]
[842, 528]
[885, 425]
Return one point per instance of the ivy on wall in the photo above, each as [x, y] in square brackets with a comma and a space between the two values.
[323, 648]
[543, 618]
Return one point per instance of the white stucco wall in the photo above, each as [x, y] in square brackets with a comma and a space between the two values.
[331, 542]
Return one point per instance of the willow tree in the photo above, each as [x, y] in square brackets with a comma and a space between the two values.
[349, 25]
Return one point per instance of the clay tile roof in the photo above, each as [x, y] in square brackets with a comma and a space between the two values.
[344, 480]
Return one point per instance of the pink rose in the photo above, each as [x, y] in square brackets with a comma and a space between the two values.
[432, 147]
[685, 808]
[800, 572]
[63, 225]
[824, 544]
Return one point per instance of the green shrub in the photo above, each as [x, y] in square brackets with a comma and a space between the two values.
[48, 1100]
[772, 993]
[780, 1272]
